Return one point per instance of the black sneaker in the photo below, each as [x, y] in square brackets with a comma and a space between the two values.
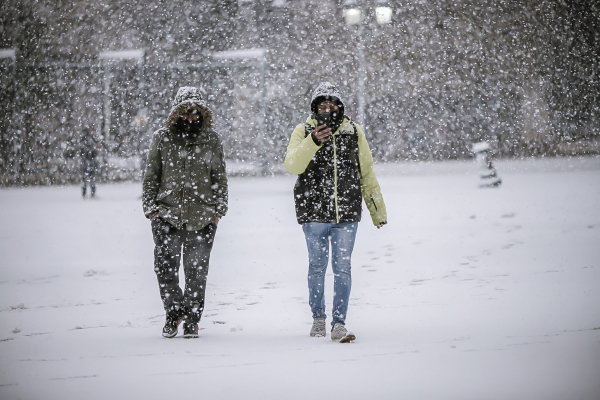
[170, 328]
[190, 330]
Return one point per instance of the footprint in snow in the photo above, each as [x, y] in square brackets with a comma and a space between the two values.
[93, 272]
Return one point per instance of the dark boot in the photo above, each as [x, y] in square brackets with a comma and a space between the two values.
[171, 324]
[190, 330]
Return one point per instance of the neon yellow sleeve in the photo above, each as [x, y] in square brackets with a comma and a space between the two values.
[300, 151]
[369, 185]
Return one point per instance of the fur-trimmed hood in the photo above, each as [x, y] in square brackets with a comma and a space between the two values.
[189, 97]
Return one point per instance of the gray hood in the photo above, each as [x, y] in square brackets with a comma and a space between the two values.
[189, 97]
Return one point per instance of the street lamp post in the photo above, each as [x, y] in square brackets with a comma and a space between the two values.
[353, 14]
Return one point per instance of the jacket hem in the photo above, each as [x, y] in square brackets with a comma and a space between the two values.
[332, 221]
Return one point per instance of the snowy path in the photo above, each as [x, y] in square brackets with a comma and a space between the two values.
[467, 294]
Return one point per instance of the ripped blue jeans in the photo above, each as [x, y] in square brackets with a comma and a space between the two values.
[318, 236]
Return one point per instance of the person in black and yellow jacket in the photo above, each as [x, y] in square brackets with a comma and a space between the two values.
[331, 156]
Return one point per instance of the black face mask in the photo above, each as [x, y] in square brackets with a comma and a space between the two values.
[327, 118]
[189, 127]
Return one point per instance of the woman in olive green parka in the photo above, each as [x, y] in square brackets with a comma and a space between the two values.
[184, 195]
[185, 181]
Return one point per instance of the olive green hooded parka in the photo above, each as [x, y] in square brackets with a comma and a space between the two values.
[185, 181]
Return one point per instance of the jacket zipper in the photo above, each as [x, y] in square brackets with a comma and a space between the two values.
[337, 214]
[374, 205]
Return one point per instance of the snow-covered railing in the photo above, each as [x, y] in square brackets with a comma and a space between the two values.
[8, 53]
[240, 54]
[122, 55]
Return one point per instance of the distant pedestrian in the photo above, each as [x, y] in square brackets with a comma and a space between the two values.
[88, 151]
[185, 196]
[335, 171]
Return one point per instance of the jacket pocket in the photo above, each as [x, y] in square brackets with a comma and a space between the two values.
[203, 198]
[373, 200]
[163, 194]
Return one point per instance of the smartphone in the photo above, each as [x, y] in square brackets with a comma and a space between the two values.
[325, 119]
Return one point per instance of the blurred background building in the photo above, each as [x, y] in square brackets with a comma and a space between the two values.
[437, 76]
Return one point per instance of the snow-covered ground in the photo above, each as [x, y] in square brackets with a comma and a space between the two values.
[468, 293]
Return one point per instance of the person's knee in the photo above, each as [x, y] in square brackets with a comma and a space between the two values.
[342, 268]
[317, 269]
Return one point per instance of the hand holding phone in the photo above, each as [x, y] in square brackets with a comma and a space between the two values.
[322, 133]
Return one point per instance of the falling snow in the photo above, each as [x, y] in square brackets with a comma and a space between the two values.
[483, 118]
[442, 75]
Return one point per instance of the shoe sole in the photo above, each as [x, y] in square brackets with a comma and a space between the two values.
[348, 338]
[191, 336]
[317, 335]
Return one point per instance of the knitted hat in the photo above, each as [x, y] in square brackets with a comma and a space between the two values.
[326, 91]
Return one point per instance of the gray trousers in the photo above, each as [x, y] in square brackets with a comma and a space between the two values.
[169, 242]
[88, 174]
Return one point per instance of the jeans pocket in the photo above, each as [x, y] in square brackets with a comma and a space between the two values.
[161, 226]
